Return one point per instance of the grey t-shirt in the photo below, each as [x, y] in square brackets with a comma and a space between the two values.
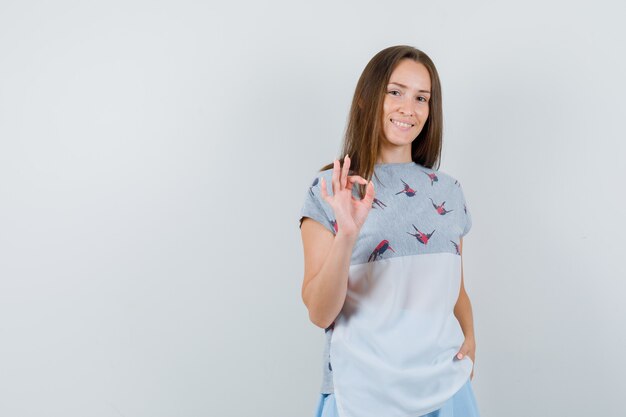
[416, 211]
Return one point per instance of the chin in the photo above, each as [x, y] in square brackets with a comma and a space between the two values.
[402, 141]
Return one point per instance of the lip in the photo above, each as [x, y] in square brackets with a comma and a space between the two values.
[402, 121]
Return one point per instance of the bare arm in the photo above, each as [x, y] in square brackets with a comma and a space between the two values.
[326, 266]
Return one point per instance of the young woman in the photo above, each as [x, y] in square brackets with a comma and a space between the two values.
[382, 236]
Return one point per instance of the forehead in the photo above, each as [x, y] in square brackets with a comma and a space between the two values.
[413, 74]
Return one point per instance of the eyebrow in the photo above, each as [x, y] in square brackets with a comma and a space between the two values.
[404, 86]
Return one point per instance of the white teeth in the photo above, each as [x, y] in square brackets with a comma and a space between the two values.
[401, 124]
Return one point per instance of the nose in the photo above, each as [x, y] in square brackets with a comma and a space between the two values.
[407, 106]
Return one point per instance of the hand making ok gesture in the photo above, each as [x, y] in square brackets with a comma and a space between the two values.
[350, 213]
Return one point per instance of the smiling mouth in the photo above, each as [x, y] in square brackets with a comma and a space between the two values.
[401, 124]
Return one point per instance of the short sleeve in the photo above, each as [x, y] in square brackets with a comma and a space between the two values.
[466, 216]
[313, 207]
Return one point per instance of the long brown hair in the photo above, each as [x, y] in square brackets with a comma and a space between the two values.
[365, 129]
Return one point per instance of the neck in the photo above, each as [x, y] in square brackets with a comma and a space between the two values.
[395, 156]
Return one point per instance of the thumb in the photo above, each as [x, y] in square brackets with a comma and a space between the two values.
[460, 354]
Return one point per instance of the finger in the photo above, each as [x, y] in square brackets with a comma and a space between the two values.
[344, 171]
[335, 179]
[357, 178]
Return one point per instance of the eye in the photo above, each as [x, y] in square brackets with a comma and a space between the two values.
[425, 99]
[393, 91]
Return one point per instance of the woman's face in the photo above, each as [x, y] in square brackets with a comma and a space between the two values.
[406, 104]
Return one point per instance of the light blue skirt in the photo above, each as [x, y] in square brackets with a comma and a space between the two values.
[462, 404]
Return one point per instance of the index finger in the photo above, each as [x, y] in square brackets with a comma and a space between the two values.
[344, 171]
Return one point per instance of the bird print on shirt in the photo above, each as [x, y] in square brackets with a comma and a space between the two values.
[440, 208]
[421, 236]
[433, 177]
[407, 189]
[378, 203]
[379, 250]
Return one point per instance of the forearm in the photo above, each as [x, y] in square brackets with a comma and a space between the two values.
[463, 312]
[325, 294]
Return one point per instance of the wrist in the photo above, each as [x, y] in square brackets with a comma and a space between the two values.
[347, 235]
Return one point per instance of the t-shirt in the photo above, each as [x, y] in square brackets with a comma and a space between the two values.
[391, 350]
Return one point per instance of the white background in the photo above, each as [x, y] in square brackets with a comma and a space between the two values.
[154, 156]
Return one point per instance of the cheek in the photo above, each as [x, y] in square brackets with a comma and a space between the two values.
[386, 111]
[386, 115]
